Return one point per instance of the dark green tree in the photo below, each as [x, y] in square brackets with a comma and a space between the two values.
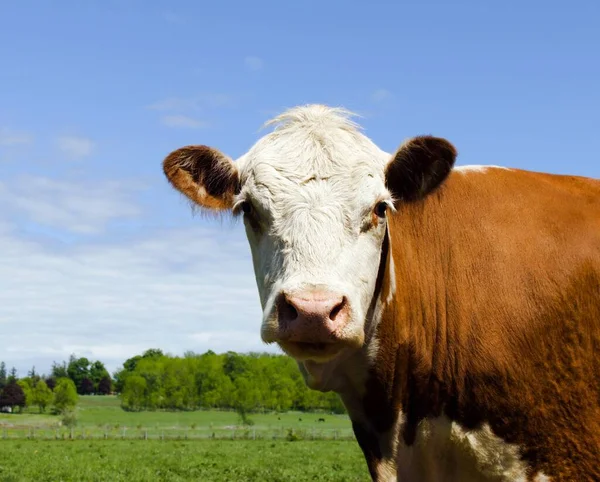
[153, 353]
[97, 372]
[12, 395]
[86, 387]
[59, 370]
[105, 385]
[3, 375]
[51, 383]
[78, 369]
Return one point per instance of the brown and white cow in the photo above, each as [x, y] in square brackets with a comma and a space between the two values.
[455, 310]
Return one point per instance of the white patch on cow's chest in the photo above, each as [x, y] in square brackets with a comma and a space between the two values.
[444, 452]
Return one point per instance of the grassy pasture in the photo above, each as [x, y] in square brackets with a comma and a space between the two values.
[102, 417]
[126, 456]
[128, 460]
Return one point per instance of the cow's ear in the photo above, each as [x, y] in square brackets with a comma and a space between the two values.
[205, 175]
[419, 166]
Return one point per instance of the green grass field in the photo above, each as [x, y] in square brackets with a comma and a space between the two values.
[148, 446]
[102, 417]
[99, 460]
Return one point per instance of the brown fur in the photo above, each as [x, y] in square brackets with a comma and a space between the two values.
[497, 317]
[204, 175]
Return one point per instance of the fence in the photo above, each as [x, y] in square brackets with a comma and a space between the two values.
[141, 433]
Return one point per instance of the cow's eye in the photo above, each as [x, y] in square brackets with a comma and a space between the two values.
[246, 207]
[380, 209]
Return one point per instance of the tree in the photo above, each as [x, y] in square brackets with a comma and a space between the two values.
[59, 370]
[105, 385]
[41, 395]
[3, 377]
[13, 375]
[134, 393]
[78, 369]
[27, 386]
[12, 396]
[51, 383]
[129, 367]
[65, 395]
[97, 372]
[86, 387]
[235, 365]
[153, 353]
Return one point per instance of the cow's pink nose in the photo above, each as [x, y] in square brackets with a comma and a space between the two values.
[312, 315]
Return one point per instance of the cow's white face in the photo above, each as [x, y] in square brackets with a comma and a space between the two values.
[314, 195]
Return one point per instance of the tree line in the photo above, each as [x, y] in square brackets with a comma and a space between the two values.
[17, 394]
[59, 390]
[243, 382]
[156, 381]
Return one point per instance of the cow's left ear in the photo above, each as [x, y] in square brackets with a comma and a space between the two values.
[419, 167]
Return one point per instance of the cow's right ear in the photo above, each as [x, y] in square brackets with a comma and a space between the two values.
[205, 175]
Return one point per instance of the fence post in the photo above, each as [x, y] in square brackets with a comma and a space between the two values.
[145, 434]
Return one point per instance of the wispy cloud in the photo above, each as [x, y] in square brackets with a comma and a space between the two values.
[9, 137]
[75, 147]
[175, 104]
[254, 63]
[187, 289]
[194, 103]
[178, 120]
[83, 207]
[381, 95]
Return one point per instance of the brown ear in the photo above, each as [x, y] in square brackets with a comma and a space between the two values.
[419, 167]
[204, 175]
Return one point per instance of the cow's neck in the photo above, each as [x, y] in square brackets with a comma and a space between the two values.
[406, 376]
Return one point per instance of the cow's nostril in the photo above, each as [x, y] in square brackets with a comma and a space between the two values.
[337, 309]
[287, 311]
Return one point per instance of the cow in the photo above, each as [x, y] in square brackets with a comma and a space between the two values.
[455, 310]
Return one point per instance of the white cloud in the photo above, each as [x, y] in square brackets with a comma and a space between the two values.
[381, 95]
[12, 138]
[175, 103]
[179, 120]
[112, 294]
[193, 103]
[82, 207]
[75, 147]
[254, 63]
[187, 289]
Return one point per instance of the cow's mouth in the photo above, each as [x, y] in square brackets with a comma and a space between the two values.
[317, 351]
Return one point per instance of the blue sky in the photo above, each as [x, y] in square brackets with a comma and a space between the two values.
[99, 256]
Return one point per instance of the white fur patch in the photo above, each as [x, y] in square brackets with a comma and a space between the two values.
[477, 168]
[444, 452]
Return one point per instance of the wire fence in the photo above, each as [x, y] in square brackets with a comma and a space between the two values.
[140, 433]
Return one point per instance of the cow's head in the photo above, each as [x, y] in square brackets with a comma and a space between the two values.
[314, 195]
